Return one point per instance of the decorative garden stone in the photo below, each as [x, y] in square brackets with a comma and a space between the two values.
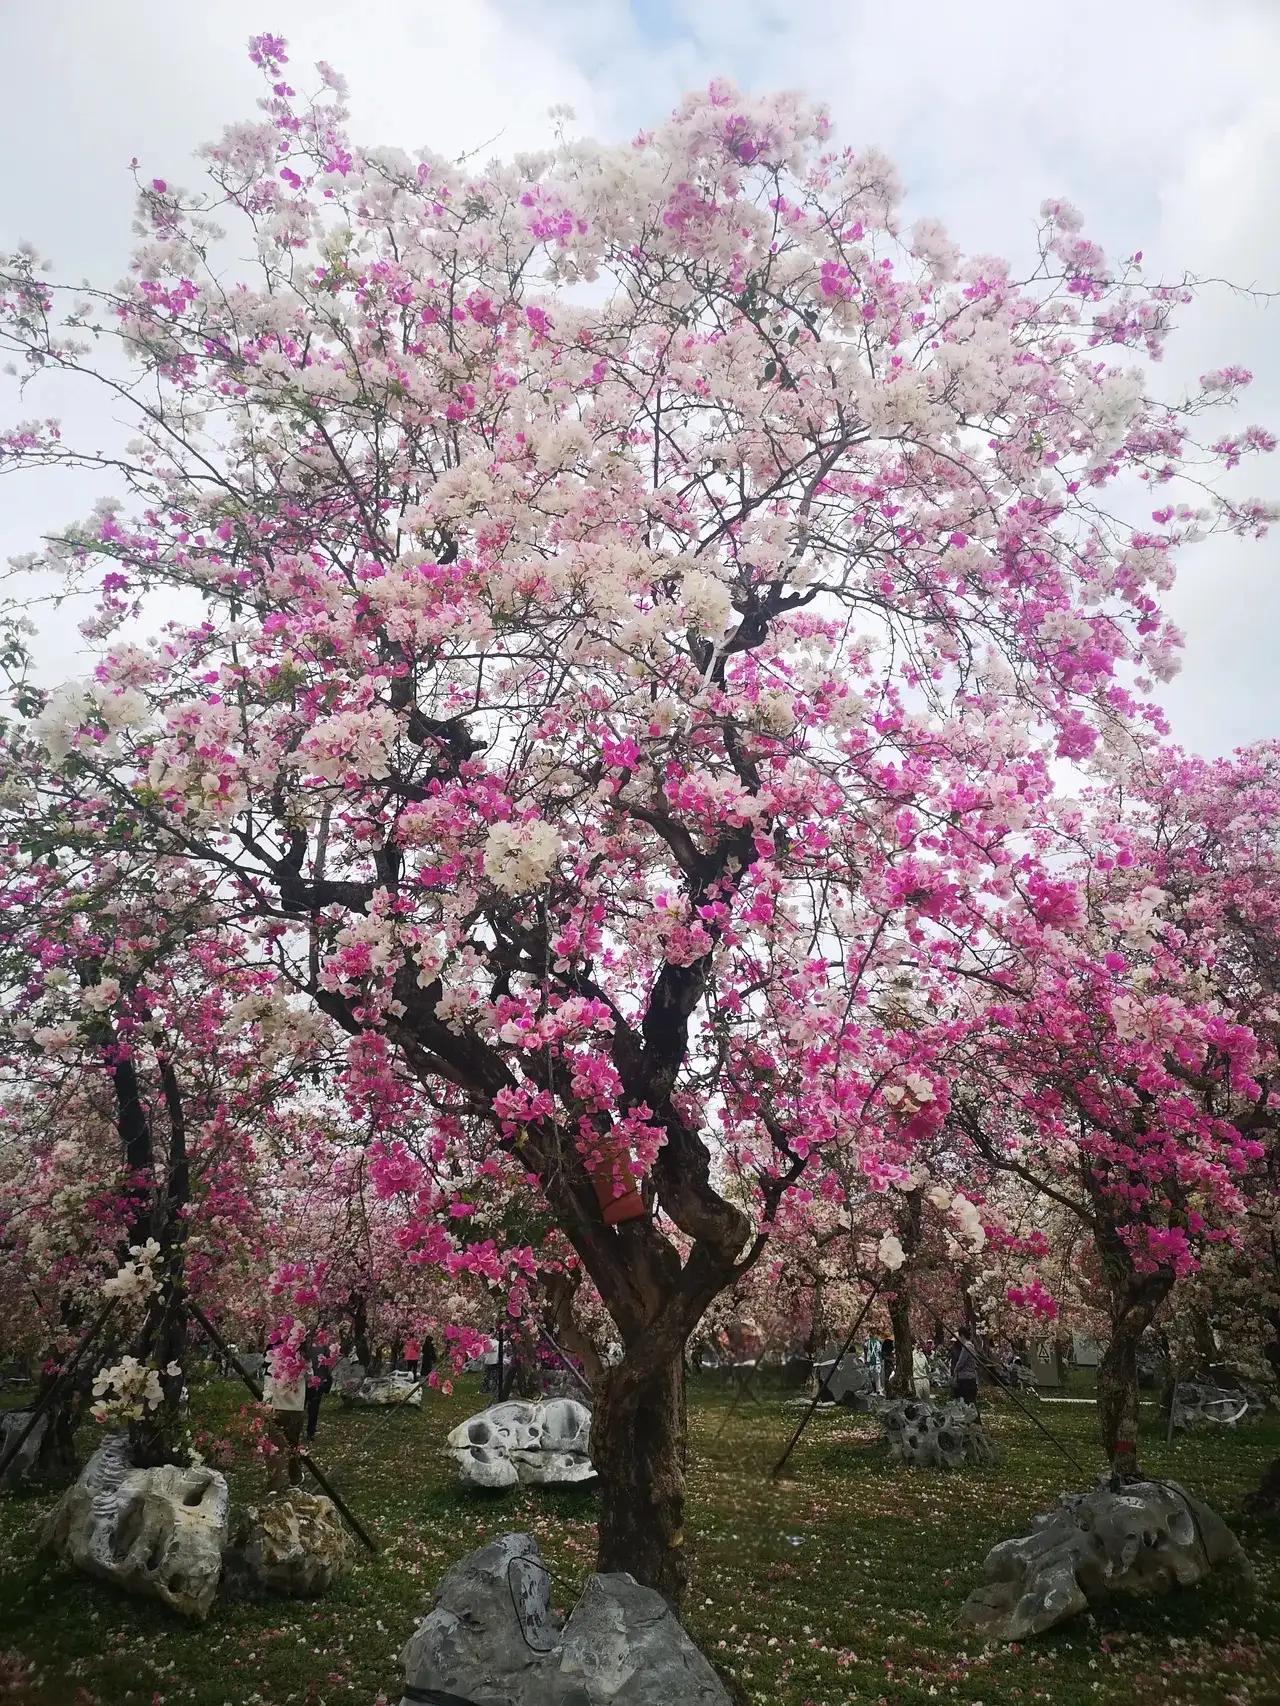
[1144, 1539]
[935, 1436]
[490, 1640]
[293, 1544]
[41, 1460]
[158, 1532]
[1194, 1402]
[545, 1444]
[847, 1381]
[354, 1386]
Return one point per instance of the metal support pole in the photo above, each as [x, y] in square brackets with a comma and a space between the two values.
[1030, 1414]
[804, 1420]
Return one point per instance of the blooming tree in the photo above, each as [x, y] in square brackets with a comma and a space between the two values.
[1124, 1066]
[641, 591]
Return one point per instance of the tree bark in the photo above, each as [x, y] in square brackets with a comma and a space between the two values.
[563, 1323]
[900, 1379]
[638, 1447]
[156, 1438]
[1133, 1310]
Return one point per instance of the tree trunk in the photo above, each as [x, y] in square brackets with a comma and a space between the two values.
[54, 1460]
[900, 1382]
[359, 1310]
[637, 1445]
[569, 1335]
[156, 1439]
[1133, 1310]
[1264, 1501]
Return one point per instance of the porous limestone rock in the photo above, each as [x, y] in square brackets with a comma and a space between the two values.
[545, 1444]
[293, 1544]
[490, 1640]
[158, 1532]
[935, 1436]
[1142, 1539]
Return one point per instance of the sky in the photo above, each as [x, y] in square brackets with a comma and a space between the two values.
[1159, 119]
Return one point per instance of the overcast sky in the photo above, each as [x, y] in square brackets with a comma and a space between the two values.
[1160, 119]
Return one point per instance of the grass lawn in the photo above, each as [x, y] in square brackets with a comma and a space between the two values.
[840, 1584]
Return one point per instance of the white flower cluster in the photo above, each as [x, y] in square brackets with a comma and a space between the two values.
[891, 1253]
[136, 1279]
[775, 712]
[930, 243]
[966, 1215]
[351, 742]
[1137, 919]
[519, 857]
[707, 604]
[126, 1391]
[913, 1092]
[70, 707]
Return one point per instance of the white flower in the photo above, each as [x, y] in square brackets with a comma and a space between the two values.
[891, 1253]
[707, 604]
[775, 712]
[519, 857]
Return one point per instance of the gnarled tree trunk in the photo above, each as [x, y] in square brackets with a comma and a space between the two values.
[1134, 1305]
[900, 1382]
[637, 1445]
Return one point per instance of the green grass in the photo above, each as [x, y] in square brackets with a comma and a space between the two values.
[840, 1584]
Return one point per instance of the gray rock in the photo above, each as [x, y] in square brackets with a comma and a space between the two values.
[1194, 1403]
[540, 1444]
[847, 1379]
[1145, 1539]
[490, 1640]
[24, 1470]
[354, 1386]
[156, 1532]
[935, 1436]
[398, 1388]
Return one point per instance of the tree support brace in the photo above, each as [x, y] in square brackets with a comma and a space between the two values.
[848, 1344]
[55, 1387]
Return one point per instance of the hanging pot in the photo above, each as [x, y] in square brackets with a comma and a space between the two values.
[617, 1192]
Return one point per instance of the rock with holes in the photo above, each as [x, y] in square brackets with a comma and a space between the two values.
[1142, 1539]
[293, 1544]
[545, 1444]
[1195, 1403]
[935, 1436]
[490, 1640]
[158, 1532]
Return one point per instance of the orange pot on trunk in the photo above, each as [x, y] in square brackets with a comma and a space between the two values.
[617, 1192]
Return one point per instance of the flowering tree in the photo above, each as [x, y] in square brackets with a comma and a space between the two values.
[640, 590]
[1124, 1069]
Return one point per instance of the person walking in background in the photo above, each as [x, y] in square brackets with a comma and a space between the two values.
[920, 1371]
[964, 1369]
[286, 1400]
[319, 1381]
